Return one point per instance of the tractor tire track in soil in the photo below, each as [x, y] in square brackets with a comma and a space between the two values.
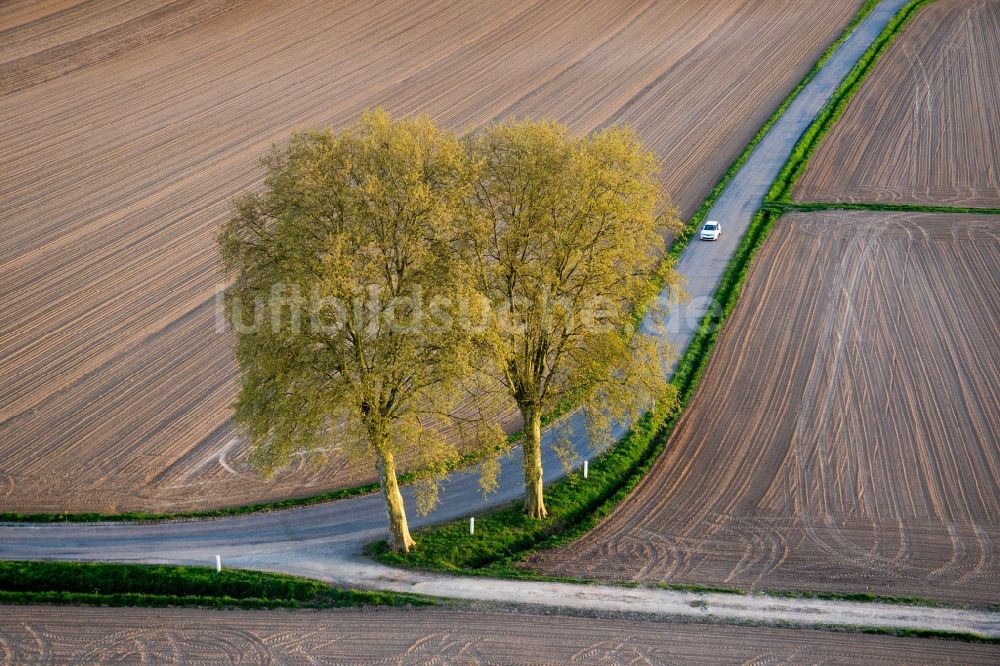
[104, 635]
[846, 433]
[924, 126]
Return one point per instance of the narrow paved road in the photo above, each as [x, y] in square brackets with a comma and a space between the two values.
[325, 541]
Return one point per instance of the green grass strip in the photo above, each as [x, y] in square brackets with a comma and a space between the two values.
[504, 536]
[809, 206]
[903, 632]
[869, 597]
[23, 582]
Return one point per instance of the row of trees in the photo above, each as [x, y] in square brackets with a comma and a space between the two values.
[410, 276]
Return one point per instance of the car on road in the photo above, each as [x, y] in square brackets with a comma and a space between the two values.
[710, 230]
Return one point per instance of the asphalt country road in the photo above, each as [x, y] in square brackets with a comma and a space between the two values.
[325, 541]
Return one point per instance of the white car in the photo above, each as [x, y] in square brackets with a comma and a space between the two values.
[710, 230]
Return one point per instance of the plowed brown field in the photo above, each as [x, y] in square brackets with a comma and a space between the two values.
[846, 433]
[925, 124]
[128, 127]
[105, 635]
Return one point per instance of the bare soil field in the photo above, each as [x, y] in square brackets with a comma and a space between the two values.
[846, 433]
[924, 126]
[39, 634]
[129, 126]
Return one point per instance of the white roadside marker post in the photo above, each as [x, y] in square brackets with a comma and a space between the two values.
[472, 524]
[218, 563]
[585, 470]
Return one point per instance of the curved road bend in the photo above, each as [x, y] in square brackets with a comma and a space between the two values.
[325, 541]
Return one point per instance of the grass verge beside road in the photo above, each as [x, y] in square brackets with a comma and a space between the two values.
[158, 586]
[505, 535]
[902, 632]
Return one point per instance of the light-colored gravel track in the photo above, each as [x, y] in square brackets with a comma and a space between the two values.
[43, 635]
[925, 124]
[846, 434]
[114, 385]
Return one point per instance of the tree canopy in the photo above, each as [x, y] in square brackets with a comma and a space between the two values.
[567, 238]
[349, 253]
[390, 275]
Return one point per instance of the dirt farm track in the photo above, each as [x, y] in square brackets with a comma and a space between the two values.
[925, 125]
[105, 635]
[129, 126]
[846, 433]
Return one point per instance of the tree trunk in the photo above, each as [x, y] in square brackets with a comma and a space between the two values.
[534, 498]
[399, 533]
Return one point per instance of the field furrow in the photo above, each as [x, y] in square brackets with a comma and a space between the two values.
[114, 382]
[924, 127]
[846, 433]
[103, 635]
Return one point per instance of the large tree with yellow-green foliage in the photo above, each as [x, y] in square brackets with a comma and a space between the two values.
[567, 237]
[350, 251]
